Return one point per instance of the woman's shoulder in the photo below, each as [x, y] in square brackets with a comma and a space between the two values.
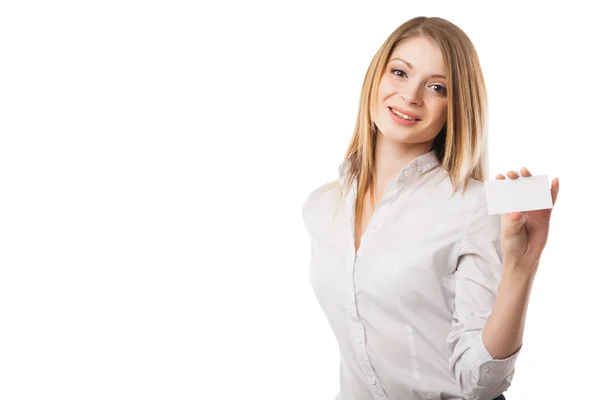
[471, 192]
[323, 193]
[469, 200]
[320, 201]
[473, 199]
[475, 188]
[482, 225]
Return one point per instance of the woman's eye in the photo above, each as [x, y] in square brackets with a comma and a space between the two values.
[401, 73]
[439, 88]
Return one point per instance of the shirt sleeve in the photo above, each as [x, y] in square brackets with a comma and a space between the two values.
[477, 278]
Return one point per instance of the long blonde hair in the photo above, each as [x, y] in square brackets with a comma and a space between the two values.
[461, 145]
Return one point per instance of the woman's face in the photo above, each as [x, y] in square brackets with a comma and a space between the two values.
[413, 84]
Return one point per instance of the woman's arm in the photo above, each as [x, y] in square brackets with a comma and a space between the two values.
[503, 332]
[498, 260]
[477, 281]
[523, 238]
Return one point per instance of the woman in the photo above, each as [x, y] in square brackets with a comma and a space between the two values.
[425, 292]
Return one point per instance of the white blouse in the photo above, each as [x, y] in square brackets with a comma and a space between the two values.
[409, 307]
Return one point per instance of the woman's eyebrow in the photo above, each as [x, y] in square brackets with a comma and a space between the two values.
[410, 66]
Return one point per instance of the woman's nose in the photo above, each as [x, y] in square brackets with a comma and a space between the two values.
[411, 94]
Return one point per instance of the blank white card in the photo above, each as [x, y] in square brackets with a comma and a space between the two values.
[522, 194]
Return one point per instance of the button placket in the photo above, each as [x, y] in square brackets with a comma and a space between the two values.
[355, 337]
[357, 330]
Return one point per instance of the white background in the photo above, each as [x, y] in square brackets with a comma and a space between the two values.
[154, 158]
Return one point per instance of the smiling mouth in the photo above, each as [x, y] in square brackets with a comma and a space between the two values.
[401, 115]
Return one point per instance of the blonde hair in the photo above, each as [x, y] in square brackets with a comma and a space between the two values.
[461, 144]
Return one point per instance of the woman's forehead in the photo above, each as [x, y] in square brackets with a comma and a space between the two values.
[420, 54]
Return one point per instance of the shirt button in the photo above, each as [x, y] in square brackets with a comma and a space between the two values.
[486, 369]
[471, 395]
[358, 341]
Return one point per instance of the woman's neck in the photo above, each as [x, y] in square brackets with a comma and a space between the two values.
[391, 157]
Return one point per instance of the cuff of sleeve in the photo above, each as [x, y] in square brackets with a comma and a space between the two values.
[487, 370]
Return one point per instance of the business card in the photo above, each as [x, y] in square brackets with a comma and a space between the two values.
[522, 194]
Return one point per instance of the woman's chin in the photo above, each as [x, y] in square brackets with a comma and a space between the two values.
[403, 137]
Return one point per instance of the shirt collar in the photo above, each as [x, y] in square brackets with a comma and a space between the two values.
[416, 167]
[419, 166]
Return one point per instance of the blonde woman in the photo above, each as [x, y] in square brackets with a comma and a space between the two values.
[425, 292]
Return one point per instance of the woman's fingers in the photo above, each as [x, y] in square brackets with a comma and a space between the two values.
[525, 172]
[554, 190]
[512, 174]
[515, 174]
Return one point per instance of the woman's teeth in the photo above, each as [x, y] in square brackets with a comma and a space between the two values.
[398, 113]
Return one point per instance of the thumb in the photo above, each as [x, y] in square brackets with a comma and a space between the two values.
[514, 224]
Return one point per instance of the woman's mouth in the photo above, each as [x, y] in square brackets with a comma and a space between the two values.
[402, 118]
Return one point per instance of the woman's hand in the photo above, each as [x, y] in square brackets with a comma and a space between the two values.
[524, 234]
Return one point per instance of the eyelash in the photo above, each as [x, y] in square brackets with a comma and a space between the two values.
[442, 91]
